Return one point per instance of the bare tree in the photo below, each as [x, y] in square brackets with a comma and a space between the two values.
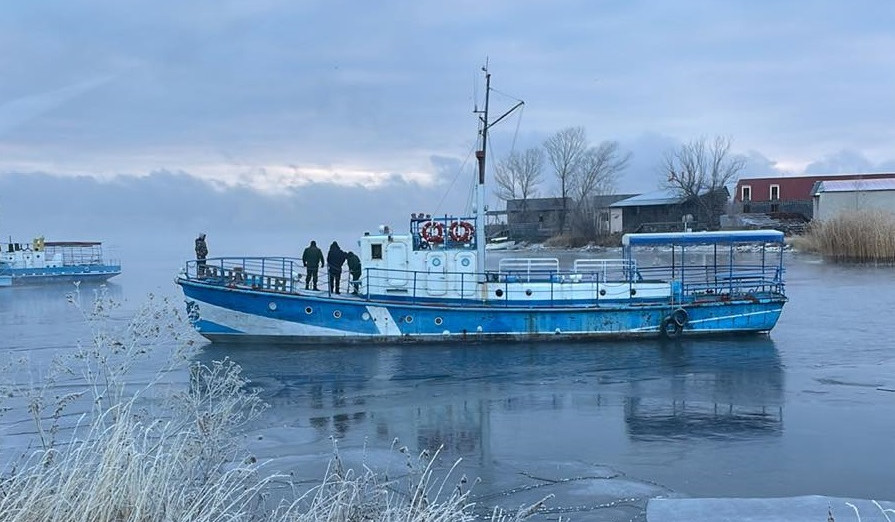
[565, 152]
[518, 175]
[699, 170]
[598, 171]
[596, 174]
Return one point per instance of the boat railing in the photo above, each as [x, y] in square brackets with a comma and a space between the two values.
[527, 269]
[281, 274]
[75, 253]
[730, 279]
[278, 274]
[607, 269]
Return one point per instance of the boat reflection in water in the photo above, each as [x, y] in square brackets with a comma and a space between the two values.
[734, 389]
[453, 396]
[528, 419]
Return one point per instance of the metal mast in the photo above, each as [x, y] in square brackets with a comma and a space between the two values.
[480, 237]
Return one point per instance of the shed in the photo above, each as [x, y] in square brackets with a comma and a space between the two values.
[662, 211]
[832, 197]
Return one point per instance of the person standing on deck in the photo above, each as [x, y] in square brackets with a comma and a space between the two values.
[355, 270]
[201, 254]
[335, 258]
[312, 258]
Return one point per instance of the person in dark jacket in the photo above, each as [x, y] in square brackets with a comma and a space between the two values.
[201, 254]
[355, 270]
[335, 258]
[312, 258]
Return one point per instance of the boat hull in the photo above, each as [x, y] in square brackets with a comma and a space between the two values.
[233, 314]
[54, 275]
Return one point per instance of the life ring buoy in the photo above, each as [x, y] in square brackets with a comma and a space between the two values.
[461, 231]
[432, 232]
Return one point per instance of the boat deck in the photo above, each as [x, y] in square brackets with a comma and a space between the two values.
[519, 282]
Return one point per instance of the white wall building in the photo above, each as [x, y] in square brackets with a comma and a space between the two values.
[830, 198]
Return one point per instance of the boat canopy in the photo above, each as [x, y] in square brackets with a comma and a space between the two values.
[703, 238]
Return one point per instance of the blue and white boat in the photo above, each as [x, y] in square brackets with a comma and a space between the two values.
[431, 285]
[54, 261]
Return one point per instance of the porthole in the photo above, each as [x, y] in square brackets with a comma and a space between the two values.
[365, 316]
[337, 314]
[272, 306]
[438, 321]
[633, 291]
[309, 310]
[408, 319]
[602, 291]
[528, 292]
[498, 292]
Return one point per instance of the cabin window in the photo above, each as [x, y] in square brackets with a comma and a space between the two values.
[376, 251]
[746, 193]
[775, 192]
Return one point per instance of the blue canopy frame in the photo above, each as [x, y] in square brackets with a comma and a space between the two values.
[727, 239]
[703, 238]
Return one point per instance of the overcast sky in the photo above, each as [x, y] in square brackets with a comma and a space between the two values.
[365, 108]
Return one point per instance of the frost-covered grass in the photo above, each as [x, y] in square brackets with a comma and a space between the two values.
[886, 514]
[110, 450]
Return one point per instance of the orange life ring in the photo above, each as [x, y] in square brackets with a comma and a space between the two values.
[461, 231]
[432, 232]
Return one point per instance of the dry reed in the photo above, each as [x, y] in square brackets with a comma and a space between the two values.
[864, 236]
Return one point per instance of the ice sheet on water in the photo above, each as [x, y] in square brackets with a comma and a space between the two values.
[814, 508]
[578, 490]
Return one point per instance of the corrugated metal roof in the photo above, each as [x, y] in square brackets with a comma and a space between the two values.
[658, 197]
[605, 200]
[854, 185]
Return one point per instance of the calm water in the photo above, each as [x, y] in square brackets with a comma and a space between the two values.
[809, 409]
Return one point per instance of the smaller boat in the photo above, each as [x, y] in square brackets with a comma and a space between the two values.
[499, 243]
[54, 261]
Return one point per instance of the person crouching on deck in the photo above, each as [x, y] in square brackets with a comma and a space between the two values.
[355, 270]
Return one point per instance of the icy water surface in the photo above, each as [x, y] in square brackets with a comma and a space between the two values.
[808, 410]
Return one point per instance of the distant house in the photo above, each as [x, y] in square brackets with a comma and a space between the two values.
[785, 194]
[535, 219]
[832, 197]
[538, 219]
[603, 214]
[664, 211]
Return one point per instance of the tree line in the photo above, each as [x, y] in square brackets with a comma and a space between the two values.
[582, 171]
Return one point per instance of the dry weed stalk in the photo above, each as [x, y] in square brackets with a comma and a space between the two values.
[134, 456]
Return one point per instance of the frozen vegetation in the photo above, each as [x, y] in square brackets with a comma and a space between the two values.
[103, 448]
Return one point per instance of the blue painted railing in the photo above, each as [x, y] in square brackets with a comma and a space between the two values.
[286, 275]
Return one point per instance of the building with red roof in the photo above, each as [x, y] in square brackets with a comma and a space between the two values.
[786, 194]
